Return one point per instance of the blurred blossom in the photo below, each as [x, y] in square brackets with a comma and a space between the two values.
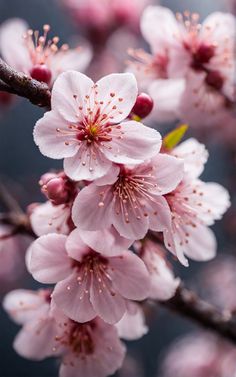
[200, 355]
[190, 70]
[12, 251]
[36, 55]
[99, 18]
[218, 283]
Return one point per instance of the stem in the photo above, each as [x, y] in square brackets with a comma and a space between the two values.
[14, 82]
[186, 303]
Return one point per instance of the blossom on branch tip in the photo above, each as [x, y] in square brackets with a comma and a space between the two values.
[86, 128]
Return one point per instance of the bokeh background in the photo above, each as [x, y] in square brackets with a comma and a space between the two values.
[21, 165]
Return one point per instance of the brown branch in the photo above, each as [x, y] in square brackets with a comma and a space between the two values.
[14, 82]
[20, 223]
[186, 303]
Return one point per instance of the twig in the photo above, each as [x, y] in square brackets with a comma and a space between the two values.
[19, 221]
[14, 82]
[187, 303]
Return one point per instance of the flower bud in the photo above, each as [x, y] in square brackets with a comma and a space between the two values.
[40, 72]
[143, 105]
[56, 190]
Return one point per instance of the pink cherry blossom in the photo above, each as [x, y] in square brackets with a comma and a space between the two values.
[130, 198]
[28, 52]
[90, 349]
[132, 325]
[194, 206]
[88, 283]
[163, 281]
[84, 125]
[200, 355]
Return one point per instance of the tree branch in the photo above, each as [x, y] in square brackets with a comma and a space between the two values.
[186, 303]
[22, 85]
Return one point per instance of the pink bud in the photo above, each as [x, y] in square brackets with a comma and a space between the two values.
[40, 72]
[56, 191]
[143, 105]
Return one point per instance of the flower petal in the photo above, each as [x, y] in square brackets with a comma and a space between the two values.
[118, 92]
[132, 325]
[72, 297]
[91, 209]
[68, 94]
[88, 163]
[130, 276]
[51, 136]
[137, 143]
[12, 46]
[108, 304]
[49, 262]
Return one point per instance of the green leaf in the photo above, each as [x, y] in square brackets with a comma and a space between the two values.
[174, 137]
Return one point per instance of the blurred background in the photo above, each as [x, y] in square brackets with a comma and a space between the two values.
[21, 165]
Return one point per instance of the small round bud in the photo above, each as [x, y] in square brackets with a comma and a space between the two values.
[56, 191]
[40, 72]
[143, 105]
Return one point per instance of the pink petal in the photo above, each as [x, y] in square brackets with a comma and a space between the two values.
[35, 341]
[130, 276]
[72, 297]
[220, 24]
[107, 302]
[168, 171]
[22, 305]
[49, 261]
[75, 246]
[167, 96]
[194, 155]
[118, 91]
[73, 59]
[110, 177]
[68, 85]
[138, 143]
[159, 214]
[132, 325]
[202, 245]
[88, 163]
[15, 53]
[90, 211]
[105, 241]
[52, 143]
[159, 37]
[47, 218]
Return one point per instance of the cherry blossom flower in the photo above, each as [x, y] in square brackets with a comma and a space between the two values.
[35, 55]
[163, 282]
[106, 15]
[84, 125]
[91, 349]
[200, 355]
[130, 198]
[89, 283]
[132, 325]
[194, 205]
[190, 71]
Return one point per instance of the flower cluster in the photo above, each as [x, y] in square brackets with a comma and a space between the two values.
[190, 71]
[120, 182]
[127, 201]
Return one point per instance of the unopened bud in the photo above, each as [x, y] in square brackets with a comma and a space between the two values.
[42, 73]
[143, 106]
[56, 191]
